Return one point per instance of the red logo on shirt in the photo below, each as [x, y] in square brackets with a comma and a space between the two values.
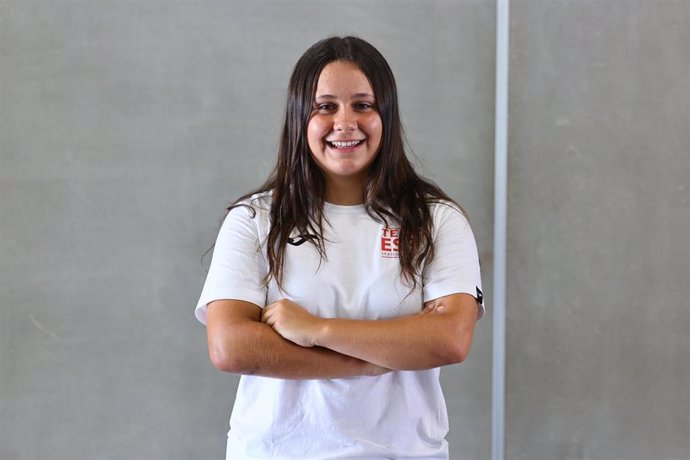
[389, 242]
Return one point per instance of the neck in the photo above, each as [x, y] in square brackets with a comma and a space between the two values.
[345, 192]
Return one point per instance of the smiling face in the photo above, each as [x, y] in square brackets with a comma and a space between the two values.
[344, 130]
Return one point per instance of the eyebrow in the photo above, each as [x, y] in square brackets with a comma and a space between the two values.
[356, 96]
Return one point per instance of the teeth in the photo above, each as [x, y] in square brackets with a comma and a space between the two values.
[344, 144]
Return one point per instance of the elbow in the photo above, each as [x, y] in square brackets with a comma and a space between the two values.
[454, 355]
[220, 360]
[457, 348]
[226, 359]
[460, 354]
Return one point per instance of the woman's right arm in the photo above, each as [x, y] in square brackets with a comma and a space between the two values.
[238, 342]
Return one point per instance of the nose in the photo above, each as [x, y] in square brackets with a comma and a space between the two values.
[345, 120]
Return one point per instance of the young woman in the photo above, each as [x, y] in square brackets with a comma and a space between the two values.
[341, 286]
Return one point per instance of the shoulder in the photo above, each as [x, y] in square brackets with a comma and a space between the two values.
[258, 203]
[256, 207]
[450, 223]
[251, 214]
[441, 210]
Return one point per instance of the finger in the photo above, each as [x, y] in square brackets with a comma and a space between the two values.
[267, 314]
[427, 309]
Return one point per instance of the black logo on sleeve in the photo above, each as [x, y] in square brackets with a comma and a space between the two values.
[300, 239]
[480, 297]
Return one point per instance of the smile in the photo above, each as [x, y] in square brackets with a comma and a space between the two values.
[345, 144]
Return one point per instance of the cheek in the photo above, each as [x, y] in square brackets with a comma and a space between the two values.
[375, 128]
[316, 131]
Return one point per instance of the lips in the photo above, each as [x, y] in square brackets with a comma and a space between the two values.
[345, 144]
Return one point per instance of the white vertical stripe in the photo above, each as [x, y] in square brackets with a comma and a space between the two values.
[500, 230]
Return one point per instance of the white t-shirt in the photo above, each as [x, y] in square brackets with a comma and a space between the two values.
[400, 414]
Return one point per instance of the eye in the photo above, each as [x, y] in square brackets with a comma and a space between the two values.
[363, 106]
[324, 107]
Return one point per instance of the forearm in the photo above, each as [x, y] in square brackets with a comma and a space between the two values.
[406, 343]
[253, 348]
[440, 335]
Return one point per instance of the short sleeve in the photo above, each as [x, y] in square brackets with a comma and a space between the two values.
[455, 267]
[238, 266]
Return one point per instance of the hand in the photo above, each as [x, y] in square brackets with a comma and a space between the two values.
[434, 306]
[374, 370]
[292, 322]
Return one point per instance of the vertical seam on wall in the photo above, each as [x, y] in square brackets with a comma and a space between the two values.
[500, 231]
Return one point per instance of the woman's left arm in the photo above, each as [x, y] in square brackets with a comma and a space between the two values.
[441, 334]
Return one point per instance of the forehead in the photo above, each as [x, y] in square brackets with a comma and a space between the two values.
[341, 77]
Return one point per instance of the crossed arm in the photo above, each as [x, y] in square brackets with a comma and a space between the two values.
[285, 341]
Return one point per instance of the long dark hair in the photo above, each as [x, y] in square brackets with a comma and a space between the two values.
[393, 191]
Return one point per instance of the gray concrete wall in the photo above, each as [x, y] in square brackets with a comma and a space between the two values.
[125, 128]
[599, 231]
